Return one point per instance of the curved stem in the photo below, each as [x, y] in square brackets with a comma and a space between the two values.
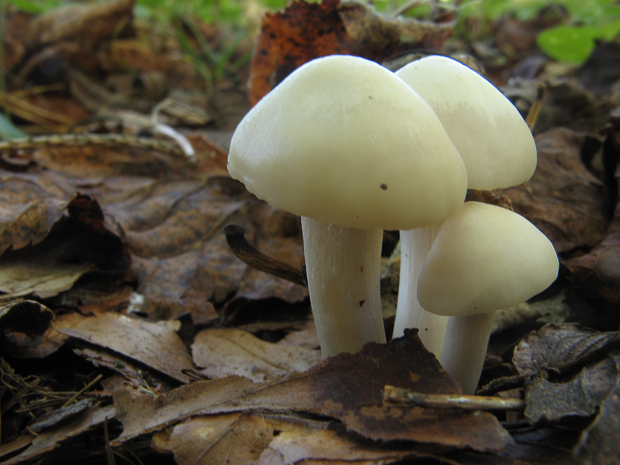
[343, 267]
[465, 349]
[415, 245]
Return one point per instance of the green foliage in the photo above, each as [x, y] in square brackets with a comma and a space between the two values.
[8, 130]
[35, 6]
[570, 42]
[210, 11]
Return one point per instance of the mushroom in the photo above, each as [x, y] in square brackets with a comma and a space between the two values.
[498, 150]
[483, 259]
[351, 148]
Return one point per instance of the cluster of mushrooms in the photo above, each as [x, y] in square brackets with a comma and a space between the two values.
[355, 149]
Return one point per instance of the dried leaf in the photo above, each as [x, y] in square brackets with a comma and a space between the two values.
[49, 440]
[581, 396]
[597, 272]
[346, 387]
[133, 374]
[329, 447]
[228, 351]
[41, 275]
[27, 333]
[86, 23]
[78, 243]
[563, 199]
[304, 31]
[560, 347]
[170, 214]
[233, 438]
[155, 344]
[599, 443]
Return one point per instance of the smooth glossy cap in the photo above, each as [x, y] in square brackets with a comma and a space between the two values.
[495, 142]
[343, 140]
[485, 258]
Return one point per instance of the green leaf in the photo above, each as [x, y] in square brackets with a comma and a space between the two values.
[8, 129]
[36, 6]
[573, 44]
[567, 43]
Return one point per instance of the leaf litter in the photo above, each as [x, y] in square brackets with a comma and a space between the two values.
[116, 255]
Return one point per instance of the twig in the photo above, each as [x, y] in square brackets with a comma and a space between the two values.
[532, 115]
[395, 395]
[90, 139]
[250, 255]
[108, 449]
[85, 388]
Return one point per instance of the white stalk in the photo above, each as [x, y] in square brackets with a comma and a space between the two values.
[343, 267]
[465, 349]
[415, 245]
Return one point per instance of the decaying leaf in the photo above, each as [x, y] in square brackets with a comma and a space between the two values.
[563, 199]
[598, 273]
[599, 442]
[49, 440]
[557, 348]
[345, 387]
[165, 211]
[232, 438]
[78, 241]
[155, 344]
[329, 447]
[228, 351]
[304, 31]
[26, 330]
[86, 23]
[581, 396]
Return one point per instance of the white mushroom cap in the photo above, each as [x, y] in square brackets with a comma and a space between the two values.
[485, 258]
[343, 140]
[495, 142]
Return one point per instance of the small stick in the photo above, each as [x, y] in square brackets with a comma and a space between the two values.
[250, 255]
[89, 139]
[85, 388]
[532, 115]
[395, 395]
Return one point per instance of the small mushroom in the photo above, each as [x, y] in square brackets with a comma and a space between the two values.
[497, 148]
[347, 145]
[483, 259]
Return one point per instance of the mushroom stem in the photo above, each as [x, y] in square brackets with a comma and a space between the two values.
[343, 267]
[415, 245]
[463, 354]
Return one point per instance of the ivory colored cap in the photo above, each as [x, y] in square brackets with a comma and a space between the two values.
[343, 140]
[485, 258]
[495, 142]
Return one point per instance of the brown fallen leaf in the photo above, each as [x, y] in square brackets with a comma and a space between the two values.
[345, 387]
[596, 274]
[557, 348]
[164, 210]
[26, 330]
[581, 396]
[80, 241]
[157, 345]
[232, 438]
[304, 31]
[599, 442]
[87, 23]
[228, 351]
[563, 199]
[47, 441]
[331, 448]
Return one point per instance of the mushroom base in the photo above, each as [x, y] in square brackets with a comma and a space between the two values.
[343, 268]
[465, 348]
